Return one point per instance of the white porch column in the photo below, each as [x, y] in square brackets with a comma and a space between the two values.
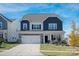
[62, 36]
[43, 38]
[50, 38]
[56, 37]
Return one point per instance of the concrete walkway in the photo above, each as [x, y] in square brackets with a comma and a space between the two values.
[23, 50]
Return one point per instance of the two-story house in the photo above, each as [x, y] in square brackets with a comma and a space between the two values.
[40, 28]
[32, 28]
[8, 29]
[4, 25]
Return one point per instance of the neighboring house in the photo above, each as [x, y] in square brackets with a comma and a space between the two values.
[8, 29]
[4, 25]
[32, 29]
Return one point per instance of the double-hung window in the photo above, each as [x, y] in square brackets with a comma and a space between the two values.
[0, 25]
[52, 26]
[24, 26]
[36, 26]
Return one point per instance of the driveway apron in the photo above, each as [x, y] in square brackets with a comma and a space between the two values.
[23, 50]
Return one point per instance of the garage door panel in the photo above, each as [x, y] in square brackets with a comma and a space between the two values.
[30, 39]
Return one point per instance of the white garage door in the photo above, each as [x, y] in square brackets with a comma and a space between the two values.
[30, 39]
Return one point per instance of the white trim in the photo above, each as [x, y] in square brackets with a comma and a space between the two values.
[4, 18]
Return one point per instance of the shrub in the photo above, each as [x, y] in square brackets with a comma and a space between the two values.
[64, 42]
[1, 42]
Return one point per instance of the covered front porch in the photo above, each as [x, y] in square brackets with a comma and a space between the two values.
[46, 36]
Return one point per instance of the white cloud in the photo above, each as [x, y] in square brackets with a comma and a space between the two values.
[12, 8]
[21, 7]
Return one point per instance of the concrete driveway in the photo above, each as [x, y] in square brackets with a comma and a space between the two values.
[23, 50]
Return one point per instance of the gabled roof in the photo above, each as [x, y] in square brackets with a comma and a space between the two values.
[38, 17]
[56, 18]
[5, 18]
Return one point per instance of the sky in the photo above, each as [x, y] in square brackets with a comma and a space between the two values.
[66, 11]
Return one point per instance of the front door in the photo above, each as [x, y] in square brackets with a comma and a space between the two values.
[46, 39]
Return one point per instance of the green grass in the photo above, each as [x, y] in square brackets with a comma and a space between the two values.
[8, 46]
[53, 47]
[60, 54]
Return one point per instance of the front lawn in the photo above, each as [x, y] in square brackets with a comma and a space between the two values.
[60, 54]
[47, 48]
[54, 47]
[8, 46]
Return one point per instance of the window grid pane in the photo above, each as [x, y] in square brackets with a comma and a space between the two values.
[36, 26]
[24, 26]
[52, 26]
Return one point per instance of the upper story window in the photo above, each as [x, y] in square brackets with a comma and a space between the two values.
[36, 26]
[52, 26]
[0, 25]
[25, 26]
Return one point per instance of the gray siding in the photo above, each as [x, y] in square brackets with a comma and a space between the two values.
[4, 23]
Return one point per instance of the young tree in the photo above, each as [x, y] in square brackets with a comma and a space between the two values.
[73, 40]
[72, 36]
